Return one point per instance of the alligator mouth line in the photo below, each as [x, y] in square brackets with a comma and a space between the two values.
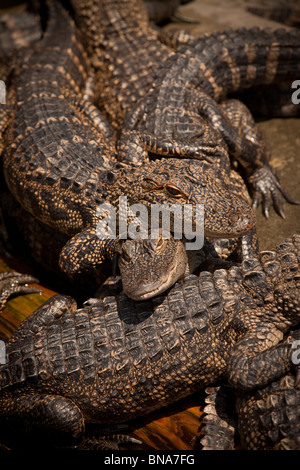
[161, 286]
[158, 289]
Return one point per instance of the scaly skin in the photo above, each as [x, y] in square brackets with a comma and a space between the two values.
[60, 163]
[263, 419]
[13, 283]
[115, 359]
[287, 14]
[172, 99]
[124, 49]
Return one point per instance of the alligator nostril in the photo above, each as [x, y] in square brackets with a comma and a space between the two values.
[235, 218]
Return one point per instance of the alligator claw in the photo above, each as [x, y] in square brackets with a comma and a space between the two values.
[108, 439]
[15, 283]
[268, 191]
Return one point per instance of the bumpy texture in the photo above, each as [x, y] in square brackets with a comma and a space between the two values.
[12, 283]
[60, 160]
[115, 359]
[172, 102]
[17, 31]
[269, 418]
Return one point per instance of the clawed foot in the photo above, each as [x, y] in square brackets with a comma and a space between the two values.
[268, 191]
[107, 438]
[15, 283]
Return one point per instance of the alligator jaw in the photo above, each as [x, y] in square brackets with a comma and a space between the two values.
[148, 289]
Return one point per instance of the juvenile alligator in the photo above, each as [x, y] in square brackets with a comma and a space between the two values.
[146, 267]
[262, 419]
[115, 359]
[60, 163]
[187, 106]
[181, 110]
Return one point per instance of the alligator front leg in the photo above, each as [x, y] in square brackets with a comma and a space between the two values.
[85, 251]
[251, 150]
[53, 421]
[248, 146]
[267, 190]
[259, 358]
[135, 146]
[12, 283]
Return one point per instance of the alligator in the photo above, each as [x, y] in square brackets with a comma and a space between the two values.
[199, 112]
[14, 283]
[162, 11]
[268, 418]
[142, 267]
[60, 160]
[115, 359]
[262, 419]
[173, 102]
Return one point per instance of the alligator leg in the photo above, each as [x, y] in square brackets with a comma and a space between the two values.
[269, 418]
[86, 250]
[256, 362]
[135, 146]
[250, 149]
[52, 421]
[12, 283]
[45, 418]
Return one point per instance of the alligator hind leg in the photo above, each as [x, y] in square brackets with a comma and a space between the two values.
[251, 150]
[12, 283]
[43, 419]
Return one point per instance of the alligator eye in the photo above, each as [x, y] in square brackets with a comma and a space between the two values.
[150, 184]
[173, 191]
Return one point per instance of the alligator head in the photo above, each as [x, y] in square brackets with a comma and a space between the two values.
[227, 214]
[222, 192]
